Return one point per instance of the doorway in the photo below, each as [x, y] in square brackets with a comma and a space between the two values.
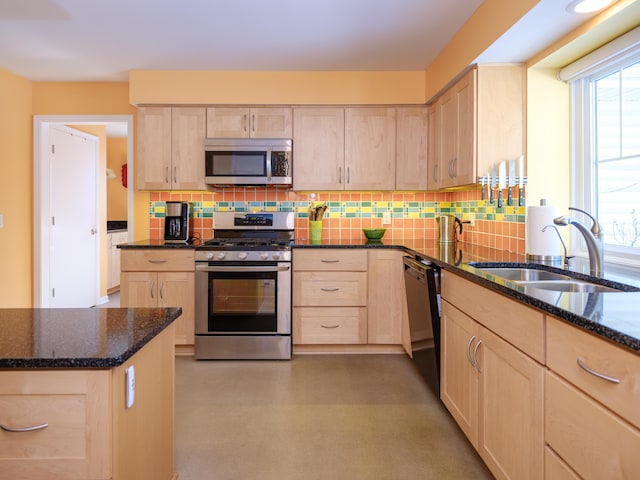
[42, 196]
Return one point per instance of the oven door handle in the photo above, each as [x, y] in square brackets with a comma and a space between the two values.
[207, 268]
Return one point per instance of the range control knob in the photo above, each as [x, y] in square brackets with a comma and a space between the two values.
[276, 256]
[242, 255]
[220, 255]
[264, 255]
[209, 255]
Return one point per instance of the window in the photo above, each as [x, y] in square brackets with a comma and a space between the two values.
[606, 149]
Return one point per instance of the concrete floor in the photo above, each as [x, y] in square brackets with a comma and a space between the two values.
[315, 417]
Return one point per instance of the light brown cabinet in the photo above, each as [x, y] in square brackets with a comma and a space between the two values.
[344, 148]
[481, 122]
[386, 297]
[411, 148]
[329, 296]
[492, 389]
[591, 395]
[161, 278]
[113, 258]
[249, 122]
[90, 433]
[318, 148]
[370, 148]
[171, 148]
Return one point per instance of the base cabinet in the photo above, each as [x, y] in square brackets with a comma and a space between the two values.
[494, 391]
[161, 278]
[91, 435]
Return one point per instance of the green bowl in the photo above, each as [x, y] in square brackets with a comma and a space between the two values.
[374, 233]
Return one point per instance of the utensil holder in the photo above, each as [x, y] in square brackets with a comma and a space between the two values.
[315, 231]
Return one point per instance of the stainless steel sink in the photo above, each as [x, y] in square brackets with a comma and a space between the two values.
[568, 286]
[537, 277]
[524, 274]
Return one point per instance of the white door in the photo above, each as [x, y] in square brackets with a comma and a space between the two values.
[74, 236]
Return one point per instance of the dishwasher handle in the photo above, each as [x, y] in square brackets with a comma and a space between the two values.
[414, 269]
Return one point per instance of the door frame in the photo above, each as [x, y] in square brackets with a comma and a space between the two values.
[41, 193]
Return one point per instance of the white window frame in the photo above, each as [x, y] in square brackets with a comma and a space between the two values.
[613, 56]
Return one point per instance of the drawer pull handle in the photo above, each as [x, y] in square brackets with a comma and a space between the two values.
[330, 261]
[23, 429]
[157, 261]
[329, 326]
[330, 289]
[597, 374]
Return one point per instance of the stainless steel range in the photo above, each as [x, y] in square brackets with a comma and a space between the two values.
[243, 287]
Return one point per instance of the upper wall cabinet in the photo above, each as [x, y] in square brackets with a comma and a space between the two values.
[480, 123]
[370, 148]
[171, 148]
[245, 122]
[411, 148]
[318, 148]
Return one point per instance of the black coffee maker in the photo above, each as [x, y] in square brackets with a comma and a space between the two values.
[176, 222]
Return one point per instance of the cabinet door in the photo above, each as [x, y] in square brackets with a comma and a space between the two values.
[511, 427]
[434, 170]
[228, 122]
[318, 148]
[385, 305]
[139, 289]
[176, 289]
[370, 148]
[188, 127]
[459, 379]
[464, 164]
[271, 122]
[449, 139]
[329, 325]
[154, 148]
[411, 149]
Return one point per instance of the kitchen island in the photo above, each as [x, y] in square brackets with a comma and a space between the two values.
[64, 408]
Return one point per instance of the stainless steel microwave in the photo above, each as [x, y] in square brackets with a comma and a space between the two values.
[248, 161]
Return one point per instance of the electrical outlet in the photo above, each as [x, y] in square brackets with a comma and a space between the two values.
[130, 393]
[1, 224]
[386, 218]
[472, 219]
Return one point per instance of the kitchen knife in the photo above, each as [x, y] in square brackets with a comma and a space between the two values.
[493, 183]
[512, 180]
[502, 174]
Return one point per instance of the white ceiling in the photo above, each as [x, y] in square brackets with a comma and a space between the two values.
[101, 40]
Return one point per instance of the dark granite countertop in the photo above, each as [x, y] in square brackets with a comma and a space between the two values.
[77, 337]
[141, 244]
[614, 316]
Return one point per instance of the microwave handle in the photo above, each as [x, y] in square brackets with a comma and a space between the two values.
[269, 152]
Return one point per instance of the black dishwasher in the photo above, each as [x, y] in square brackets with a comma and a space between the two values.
[422, 285]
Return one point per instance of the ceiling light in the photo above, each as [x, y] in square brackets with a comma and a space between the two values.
[587, 6]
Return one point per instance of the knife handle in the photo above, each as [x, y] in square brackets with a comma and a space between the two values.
[520, 199]
[499, 198]
[509, 197]
[491, 200]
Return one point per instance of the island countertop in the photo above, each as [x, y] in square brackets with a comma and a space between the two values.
[77, 337]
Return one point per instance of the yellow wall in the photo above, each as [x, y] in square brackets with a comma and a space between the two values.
[270, 88]
[16, 194]
[116, 192]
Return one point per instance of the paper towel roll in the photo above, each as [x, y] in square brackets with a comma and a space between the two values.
[537, 241]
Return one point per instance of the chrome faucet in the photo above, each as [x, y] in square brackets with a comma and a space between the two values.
[593, 239]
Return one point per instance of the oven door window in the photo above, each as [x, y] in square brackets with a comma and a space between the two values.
[236, 164]
[243, 302]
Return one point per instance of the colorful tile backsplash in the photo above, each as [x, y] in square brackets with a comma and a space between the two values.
[413, 214]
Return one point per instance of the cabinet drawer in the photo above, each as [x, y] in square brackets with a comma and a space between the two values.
[330, 289]
[566, 344]
[596, 443]
[518, 324]
[327, 325]
[157, 260]
[77, 442]
[333, 259]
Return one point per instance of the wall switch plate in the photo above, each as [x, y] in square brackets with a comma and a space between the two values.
[131, 386]
[472, 219]
[1, 221]
[386, 218]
